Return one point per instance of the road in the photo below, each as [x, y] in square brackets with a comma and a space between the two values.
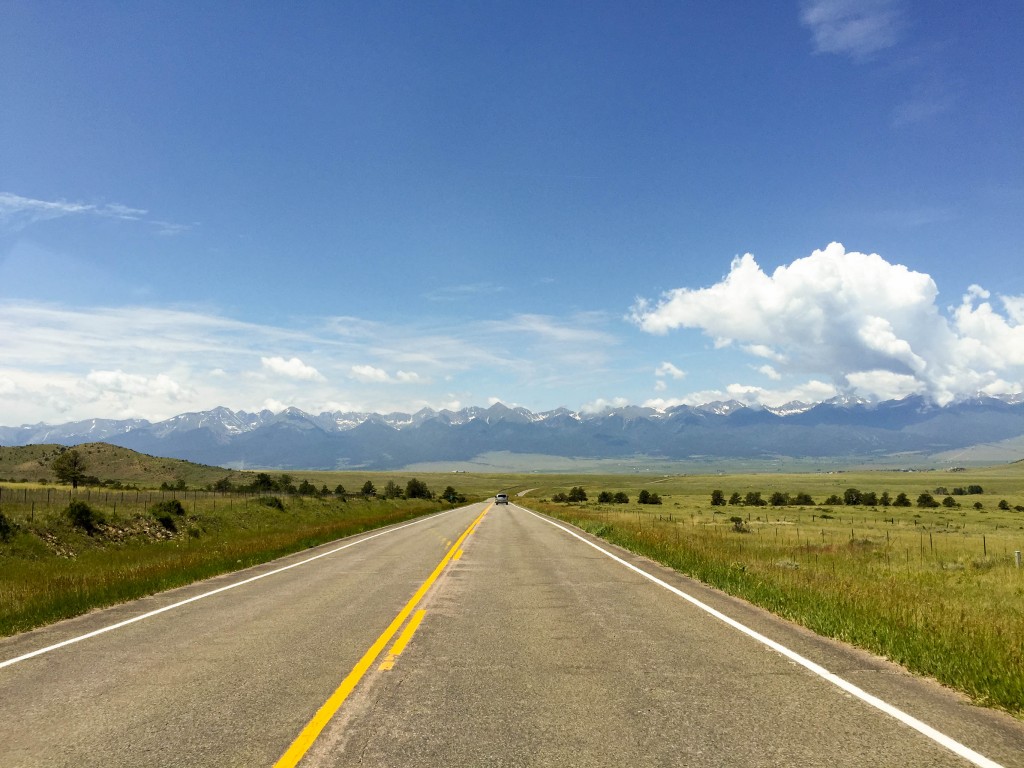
[484, 636]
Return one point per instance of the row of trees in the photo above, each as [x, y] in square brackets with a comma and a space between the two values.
[577, 494]
[850, 497]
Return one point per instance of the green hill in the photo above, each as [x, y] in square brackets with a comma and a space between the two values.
[110, 462]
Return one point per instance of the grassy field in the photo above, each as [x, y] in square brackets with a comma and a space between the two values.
[138, 542]
[934, 589]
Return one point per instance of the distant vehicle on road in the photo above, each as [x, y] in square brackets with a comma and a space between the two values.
[501, 498]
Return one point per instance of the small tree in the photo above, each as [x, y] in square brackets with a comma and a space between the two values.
[263, 483]
[1004, 505]
[644, 497]
[306, 488]
[717, 499]
[949, 502]
[902, 500]
[735, 499]
[577, 494]
[392, 490]
[885, 499]
[869, 498]
[803, 498]
[604, 497]
[69, 467]
[368, 489]
[851, 497]
[620, 498]
[339, 491]
[779, 499]
[452, 496]
[926, 500]
[417, 489]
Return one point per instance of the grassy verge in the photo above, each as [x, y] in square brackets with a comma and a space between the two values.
[53, 569]
[935, 591]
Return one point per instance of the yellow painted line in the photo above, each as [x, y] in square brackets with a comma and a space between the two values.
[408, 632]
[402, 641]
[314, 727]
[458, 555]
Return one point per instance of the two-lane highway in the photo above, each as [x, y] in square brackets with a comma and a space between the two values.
[482, 636]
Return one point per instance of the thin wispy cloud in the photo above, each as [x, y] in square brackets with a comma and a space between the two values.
[65, 364]
[857, 28]
[18, 212]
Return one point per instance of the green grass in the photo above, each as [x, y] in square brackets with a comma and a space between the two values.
[52, 569]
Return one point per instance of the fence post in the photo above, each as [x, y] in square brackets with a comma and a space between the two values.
[1016, 557]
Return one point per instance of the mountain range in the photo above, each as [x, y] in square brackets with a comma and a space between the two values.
[842, 430]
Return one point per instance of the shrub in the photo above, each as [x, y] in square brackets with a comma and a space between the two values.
[717, 499]
[168, 507]
[271, 501]
[83, 516]
[620, 498]
[1004, 504]
[604, 497]
[167, 521]
[738, 524]
[7, 528]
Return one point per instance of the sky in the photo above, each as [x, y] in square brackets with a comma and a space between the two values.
[389, 206]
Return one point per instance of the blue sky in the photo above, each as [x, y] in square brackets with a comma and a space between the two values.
[385, 206]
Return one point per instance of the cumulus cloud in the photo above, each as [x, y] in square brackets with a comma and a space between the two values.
[293, 368]
[872, 326]
[371, 375]
[856, 28]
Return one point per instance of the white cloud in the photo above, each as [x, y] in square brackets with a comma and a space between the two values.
[867, 324]
[660, 385]
[667, 369]
[857, 28]
[812, 391]
[407, 377]
[18, 212]
[600, 404]
[368, 373]
[292, 368]
[770, 372]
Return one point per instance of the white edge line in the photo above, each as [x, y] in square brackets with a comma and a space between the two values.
[150, 614]
[937, 736]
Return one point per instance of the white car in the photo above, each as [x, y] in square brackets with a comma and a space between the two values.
[501, 498]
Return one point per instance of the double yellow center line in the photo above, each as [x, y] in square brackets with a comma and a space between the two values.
[330, 707]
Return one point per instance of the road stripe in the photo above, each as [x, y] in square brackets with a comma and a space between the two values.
[217, 591]
[403, 639]
[937, 736]
[323, 716]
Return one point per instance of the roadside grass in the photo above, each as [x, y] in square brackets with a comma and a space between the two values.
[935, 590]
[51, 569]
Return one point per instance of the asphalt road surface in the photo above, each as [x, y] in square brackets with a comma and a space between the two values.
[485, 636]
